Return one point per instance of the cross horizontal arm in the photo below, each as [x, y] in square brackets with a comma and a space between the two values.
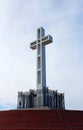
[33, 45]
[44, 40]
[47, 39]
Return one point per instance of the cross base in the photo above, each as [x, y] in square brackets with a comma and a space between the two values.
[38, 99]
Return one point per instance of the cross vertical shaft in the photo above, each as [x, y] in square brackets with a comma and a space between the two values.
[39, 44]
[41, 66]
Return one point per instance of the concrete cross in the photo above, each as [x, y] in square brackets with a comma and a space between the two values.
[39, 44]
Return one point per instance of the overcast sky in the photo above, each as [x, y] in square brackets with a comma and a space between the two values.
[19, 20]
